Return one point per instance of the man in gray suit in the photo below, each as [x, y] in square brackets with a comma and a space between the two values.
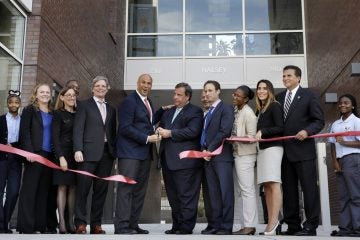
[94, 137]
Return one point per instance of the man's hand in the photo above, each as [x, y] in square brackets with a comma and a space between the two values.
[79, 156]
[154, 138]
[301, 135]
[207, 158]
[164, 133]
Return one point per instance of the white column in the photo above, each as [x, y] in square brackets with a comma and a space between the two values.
[323, 185]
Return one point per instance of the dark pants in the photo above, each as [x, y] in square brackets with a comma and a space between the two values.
[52, 221]
[219, 176]
[32, 212]
[348, 181]
[183, 190]
[291, 174]
[101, 168]
[206, 199]
[10, 176]
[130, 197]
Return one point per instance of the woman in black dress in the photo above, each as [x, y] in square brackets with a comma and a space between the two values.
[62, 130]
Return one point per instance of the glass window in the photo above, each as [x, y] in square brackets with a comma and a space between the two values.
[10, 73]
[155, 46]
[213, 15]
[214, 45]
[274, 43]
[273, 15]
[12, 28]
[155, 16]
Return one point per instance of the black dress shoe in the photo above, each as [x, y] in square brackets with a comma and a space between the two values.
[183, 232]
[340, 233]
[171, 231]
[209, 231]
[125, 231]
[140, 230]
[206, 229]
[290, 232]
[223, 232]
[306, 232]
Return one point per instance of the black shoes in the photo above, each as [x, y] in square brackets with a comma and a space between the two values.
[126, 231]
[306, 232]
[223, 232]
[171, 231]
[209, 231]
[290, 232]
[178, 231]
[140, 230]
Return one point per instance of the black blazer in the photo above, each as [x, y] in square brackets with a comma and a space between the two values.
[89, 130]
[4, 136]
[31, 129]
[305, 113]
[271, 124]
[185, 135]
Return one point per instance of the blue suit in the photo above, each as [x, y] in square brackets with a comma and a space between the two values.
[134, 159]
[219, 170]
[182, 177]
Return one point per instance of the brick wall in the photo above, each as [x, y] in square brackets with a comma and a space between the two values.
[332, 29]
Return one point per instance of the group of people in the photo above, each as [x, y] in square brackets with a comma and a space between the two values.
[83, 135]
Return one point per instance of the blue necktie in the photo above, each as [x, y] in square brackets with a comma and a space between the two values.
[206, 123]
[175, 114]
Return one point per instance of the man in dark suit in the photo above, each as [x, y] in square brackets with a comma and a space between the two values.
[134, 147]
[10, 164]
[303, 117]
[218, 124]
[180, 129]
[94, 138]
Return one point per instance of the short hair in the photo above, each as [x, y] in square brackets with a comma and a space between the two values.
[186, 86]
[353, 103]
[14, 94]
[145, 74]
[67, 84]
[295, 68]
[99, 78]
[213, 82]
[247, 91]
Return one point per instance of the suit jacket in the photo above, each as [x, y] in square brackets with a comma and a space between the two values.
[220, 127]
[89, 130]
[31, 130]
[134, 128]
[185, 135]
[305, 113]
[4, 136]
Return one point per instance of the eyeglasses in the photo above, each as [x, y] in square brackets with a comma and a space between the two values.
[70, 96]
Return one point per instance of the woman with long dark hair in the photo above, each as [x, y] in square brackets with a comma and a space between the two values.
[270, 124]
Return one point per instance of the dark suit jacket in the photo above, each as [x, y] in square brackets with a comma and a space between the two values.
[219, 128]
[271, 124]
[31, 130]
[4, 136]
[89, 130]
[134, 128]
[305, 113]
[185, 135]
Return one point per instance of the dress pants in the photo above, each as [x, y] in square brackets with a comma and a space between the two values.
[183, 190]
[130, 197]
[101, 168]
[220, 181]
[244, 184]
[305, 172]
[348, 181]
[10, 178]
[206, 199]
[32, 209]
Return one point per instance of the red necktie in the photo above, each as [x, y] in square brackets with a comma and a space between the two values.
[147, 105]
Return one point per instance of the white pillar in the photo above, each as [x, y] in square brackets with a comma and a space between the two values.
[323, 185]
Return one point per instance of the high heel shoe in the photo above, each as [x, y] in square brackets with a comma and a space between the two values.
[275, 231]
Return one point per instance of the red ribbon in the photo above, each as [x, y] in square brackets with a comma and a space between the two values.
[198, 154]
[48, 163]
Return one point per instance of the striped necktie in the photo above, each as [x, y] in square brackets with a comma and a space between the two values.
[287, 104]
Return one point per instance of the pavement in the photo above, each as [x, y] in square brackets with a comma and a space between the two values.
[157, 232]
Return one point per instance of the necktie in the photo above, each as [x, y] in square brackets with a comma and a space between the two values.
[147, 105]
[102, 110]
[287, 104]
[175, 114]
[206, 123]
